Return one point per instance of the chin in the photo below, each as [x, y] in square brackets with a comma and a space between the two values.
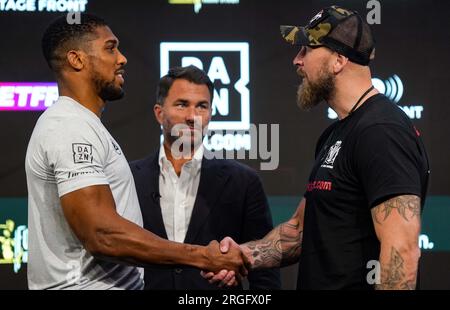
[112, 94]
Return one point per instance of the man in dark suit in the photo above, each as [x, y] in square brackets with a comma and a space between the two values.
[193, 199]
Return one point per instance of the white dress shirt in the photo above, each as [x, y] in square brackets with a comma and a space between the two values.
[178, 194]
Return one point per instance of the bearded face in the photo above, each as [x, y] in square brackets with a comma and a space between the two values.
[108, 90]
[311, 92]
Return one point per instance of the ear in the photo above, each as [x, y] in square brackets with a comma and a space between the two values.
[209, 118]
[210, 110]
[210, 113]
[158, 110]
[76, 59]
[339, 63]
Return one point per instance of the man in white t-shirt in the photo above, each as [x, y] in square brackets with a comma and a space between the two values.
[84, 217]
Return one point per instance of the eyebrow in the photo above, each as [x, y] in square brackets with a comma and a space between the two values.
[113, 41]
[180, 100]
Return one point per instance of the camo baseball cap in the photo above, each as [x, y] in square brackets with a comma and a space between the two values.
[339, 29]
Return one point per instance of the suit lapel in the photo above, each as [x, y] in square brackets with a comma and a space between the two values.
[153, 216]
[212, 180]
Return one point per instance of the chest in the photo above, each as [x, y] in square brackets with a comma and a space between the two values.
[334, 181]
[116, 166]
[179, 189]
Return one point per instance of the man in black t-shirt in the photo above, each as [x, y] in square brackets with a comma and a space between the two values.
[358, 225]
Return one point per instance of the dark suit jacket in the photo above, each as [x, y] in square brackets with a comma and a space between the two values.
[230, 202]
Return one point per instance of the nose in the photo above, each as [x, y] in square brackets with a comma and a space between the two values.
[298, 60]
[191, 114]
[122, 59]
[192, 117]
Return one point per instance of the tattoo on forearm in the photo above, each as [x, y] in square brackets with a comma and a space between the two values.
[393, 274]
[407, 206]
[290, 243]
[280, 247]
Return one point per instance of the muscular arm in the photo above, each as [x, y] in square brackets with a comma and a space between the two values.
[281, 246]
[397, 225]
[92, 216]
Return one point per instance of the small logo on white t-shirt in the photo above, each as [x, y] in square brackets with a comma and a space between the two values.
[116, 147]
[82, 153]
[332, 154]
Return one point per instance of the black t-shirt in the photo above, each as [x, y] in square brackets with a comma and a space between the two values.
[362, 160]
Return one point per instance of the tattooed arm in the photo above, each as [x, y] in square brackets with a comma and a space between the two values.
[281, 246]
[397, 225]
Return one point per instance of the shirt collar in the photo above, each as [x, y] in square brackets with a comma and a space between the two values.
[196, 159]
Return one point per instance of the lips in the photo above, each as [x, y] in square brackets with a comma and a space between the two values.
[119, 74]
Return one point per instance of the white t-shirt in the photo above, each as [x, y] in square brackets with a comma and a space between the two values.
[71, 149]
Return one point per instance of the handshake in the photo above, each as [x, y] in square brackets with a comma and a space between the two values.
[230, 266]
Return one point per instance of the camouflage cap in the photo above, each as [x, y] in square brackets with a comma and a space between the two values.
[339, 29]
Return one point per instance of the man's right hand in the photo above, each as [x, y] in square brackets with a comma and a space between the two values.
[231, 259]
[226, 277]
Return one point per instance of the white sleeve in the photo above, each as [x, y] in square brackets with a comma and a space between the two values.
[77, 155]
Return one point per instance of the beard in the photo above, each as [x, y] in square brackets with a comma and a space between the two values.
[310, 94]
[107, 90]
[182, 133]
[185, 142]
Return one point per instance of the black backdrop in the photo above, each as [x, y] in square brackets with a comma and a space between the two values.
[412, 42]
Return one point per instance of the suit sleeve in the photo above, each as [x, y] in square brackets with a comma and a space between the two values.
[257, 223]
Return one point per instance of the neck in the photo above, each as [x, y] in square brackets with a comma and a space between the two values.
[177, 163]
[84, 94]
[348, 91]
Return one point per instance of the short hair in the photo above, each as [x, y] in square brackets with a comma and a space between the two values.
[62, 36]
[190, 73]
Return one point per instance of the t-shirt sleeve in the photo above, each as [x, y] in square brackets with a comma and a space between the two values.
[77, 156]
[387, 163]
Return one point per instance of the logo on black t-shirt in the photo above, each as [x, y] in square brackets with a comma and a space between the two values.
[82, 153]
[333, 152]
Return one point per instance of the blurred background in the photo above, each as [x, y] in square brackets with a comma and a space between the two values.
[239, 44]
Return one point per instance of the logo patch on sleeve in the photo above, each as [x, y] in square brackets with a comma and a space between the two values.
[82, 153]
[116, 147]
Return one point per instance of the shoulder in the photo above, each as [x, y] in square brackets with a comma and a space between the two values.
[142, 164]
[55, 131]
[382, 111]
[68, 120]
[383, 119]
